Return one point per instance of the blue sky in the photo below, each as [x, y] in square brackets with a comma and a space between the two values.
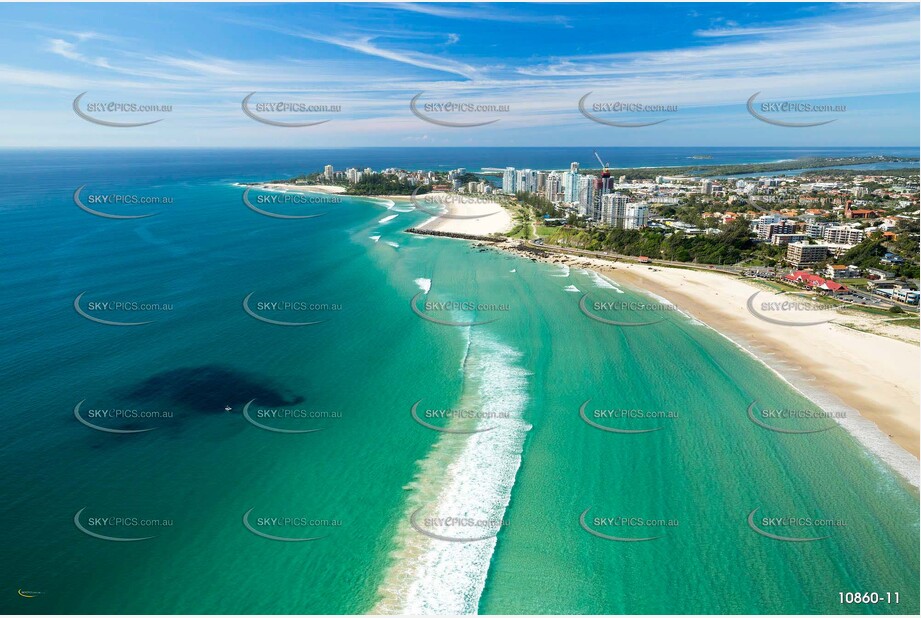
[538, 59]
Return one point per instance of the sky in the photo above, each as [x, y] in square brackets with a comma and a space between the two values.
[532, 63]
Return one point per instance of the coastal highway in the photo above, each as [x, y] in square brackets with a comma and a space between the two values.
[855, 298]
[606, 255]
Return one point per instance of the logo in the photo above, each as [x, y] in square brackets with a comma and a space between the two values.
[788, 539]
[608, 537]
[271, 414]
[427, 208]
[276, 305]
[415, 414]
[611, 429]
[786, 107]
[454, 522]
[611, 123]
[123, 107]
[591, 315]
[272, 537]
[106, 521]
[452, 107]
[464, 306]
[786, 306]
[105, 429]
[104, 215]
[280, 107]
[788, 414]
[107, 306]
[274, 215]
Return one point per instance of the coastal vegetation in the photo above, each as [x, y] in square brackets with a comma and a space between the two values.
[707, 171]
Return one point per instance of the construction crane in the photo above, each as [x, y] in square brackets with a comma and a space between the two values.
[604, 166]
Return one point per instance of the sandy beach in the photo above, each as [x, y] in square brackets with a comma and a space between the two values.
[285, 186]
[463, 214]
[837, 364]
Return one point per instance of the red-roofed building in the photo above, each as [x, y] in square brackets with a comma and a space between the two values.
[860, 213]
[815, 282]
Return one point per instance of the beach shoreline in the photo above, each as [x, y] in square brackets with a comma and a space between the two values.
[869, 378]
[463, 214]
[287, 186]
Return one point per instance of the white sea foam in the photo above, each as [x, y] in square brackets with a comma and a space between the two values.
[391, 243]
[601, 281]
[390, 218]
[571, 288]
[514, 270]
[563, 272]
[375, 238]
[424, 284]
[467, 476]
[668, 303]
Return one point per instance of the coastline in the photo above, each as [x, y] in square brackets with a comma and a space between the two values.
[472, 215]
[870, 378]
[284, 186]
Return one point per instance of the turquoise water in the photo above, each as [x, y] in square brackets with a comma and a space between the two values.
[358, 373]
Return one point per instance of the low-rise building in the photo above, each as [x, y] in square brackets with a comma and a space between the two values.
[786, 239]
[840, 271]
[880, 275]
[905, 295]
[815, 282]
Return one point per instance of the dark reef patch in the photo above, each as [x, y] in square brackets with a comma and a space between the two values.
[209, 388]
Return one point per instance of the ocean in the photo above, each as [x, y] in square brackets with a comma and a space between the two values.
[274, 468]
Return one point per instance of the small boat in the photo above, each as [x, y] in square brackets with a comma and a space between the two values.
[227, 408]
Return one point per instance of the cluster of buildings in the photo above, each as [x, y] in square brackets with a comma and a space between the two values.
[892, 290]
[594, 198]
[447, 181]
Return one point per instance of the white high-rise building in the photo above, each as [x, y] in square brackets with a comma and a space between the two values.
[329, 172]
[636, 216]
[508, 181]
[553, 189]
[574, 167]
[571, 186]
[526, 181]
[618, 212]
[585, 195]
[352, 174]
[613, 209]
